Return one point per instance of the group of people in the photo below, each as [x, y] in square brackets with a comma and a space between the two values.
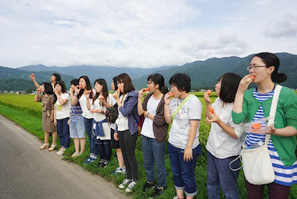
[175, 117]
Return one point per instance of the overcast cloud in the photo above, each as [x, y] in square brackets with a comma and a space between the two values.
[139, 33]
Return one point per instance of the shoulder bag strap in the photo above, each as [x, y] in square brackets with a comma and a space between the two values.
[178, 108]
[273, 110]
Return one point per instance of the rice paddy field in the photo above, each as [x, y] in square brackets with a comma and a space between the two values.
[25, 112]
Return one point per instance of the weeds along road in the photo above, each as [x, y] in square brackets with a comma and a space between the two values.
[28, 173]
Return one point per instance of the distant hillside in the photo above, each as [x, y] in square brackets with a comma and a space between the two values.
[95, 72]
[16, 85]
[9, 73]
[205, 74]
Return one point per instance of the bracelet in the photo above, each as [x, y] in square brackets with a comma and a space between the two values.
[147, 114]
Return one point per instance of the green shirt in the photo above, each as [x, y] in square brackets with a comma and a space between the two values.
[286, 115]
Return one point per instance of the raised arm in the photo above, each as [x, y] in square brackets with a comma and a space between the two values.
[167, 100]
[243, 85]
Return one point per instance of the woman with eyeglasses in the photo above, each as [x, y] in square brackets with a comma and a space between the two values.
[154, 132]
[254, 104]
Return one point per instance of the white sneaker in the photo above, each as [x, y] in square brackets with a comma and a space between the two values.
[125, 183]
[130, 187]
[121, 170]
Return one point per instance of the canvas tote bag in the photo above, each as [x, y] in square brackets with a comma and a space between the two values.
[257, 166]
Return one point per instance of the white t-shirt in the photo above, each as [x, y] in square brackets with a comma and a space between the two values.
[98, 106]
[122, 121]
[219, 143]
[83, 104]
[147, 127]
[179, 132]
[63, 111]
[101, 116]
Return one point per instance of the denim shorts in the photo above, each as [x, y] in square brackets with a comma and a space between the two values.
[77, 127]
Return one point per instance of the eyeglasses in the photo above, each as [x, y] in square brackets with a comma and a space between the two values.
[253, 67]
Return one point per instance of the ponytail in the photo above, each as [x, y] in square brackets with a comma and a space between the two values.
[278, 77]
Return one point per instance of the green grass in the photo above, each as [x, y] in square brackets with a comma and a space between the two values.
[25, 112]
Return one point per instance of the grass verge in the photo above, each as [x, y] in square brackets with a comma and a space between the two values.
[33, 123]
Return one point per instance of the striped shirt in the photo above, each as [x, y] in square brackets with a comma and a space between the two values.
[75, 110]
[283, 175]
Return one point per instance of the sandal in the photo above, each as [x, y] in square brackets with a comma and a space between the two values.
[44, 146]
[75, 154]
[52, 147]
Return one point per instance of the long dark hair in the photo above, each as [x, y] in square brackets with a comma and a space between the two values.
[88, 86]
[229, 86]
[114, 80]
[62, 84]
[271, 59]
[102, 82]
[159, 79]
[48, 89]
[125, 78]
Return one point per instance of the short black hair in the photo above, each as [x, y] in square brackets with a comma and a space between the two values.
[74, 82]
[229, 86]
[182, 81]
[58, 77]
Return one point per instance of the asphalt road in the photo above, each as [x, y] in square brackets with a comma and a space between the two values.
[27, 172]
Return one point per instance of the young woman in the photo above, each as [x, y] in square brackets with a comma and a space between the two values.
[76, 123]
[62, 114]
[101, 127]
[183, 146]
[224, 140]
[154, 132]
[80, 97]
[127, 128]
[115, 143]
[54, 78]
[47, 99]
[254, 104]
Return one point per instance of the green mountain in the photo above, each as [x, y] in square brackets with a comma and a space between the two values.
[95, 72]
[16, 85]
[205, 74]
[8, 77]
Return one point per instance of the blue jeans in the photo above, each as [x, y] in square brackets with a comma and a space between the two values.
[184, 172]
[105, 149]
[154, 152]
[220, 175]
[88, 126]
[63, 132]
[77, 127]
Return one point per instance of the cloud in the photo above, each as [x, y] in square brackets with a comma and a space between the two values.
[140, 33]
[285, 27]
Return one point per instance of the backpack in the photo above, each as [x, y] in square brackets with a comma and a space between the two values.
[112, 113]
[139, 124]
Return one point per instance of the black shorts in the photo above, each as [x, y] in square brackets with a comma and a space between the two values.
[115, 144]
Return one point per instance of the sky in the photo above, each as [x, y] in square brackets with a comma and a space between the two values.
[142, 33]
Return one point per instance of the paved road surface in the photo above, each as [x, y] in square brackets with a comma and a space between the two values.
[28, 173]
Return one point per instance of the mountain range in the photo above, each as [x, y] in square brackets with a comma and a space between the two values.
[204, 74]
